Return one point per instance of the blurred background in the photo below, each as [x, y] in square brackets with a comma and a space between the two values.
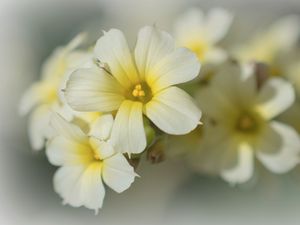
[166, 193]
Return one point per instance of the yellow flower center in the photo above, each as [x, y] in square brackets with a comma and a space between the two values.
[246, 123]
[199, 47]
[140, 92]
[275, 71]
[96, 156]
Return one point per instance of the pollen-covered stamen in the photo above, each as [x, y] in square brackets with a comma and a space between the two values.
[138, 91]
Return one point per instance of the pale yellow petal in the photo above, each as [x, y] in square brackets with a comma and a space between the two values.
[39, 129]
[173, 111]
[128, 134]
[177, 67]
[279, 147]
[62, 151]
[190, 27]
[230, 89]
[101, 128]
[112, 49]
[104, 149]
[117, 173]
[217, 24]
[67, 129]
[39, 93]
[276, 96]
[80, 186]
[241, 164]
[93, 90]
[152, 45]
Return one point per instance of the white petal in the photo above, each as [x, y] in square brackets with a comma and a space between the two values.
[232, 87]
[93, 90]
[29, 100]
[103, 148]
[101, 128]
[218, 153]
[117, 173]
[39, 128]
[62, 58]
[76, 41]
[78, 59]
[152, 45]
[279, 148]
[80, 186]
[173, 111]
[217, 24]
[241, 165]
[208, 155]
[128, 134]
[67, 129]
[189, 26]
[286, 31]
[36, 94]
[215, 103]
[291, 116]
[178, 67]
[275, 97]
[112, 48]
[236, 82]
[62, 151]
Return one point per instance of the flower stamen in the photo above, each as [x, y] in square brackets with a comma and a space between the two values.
[96, 156]
[246, 123]
[138, 91]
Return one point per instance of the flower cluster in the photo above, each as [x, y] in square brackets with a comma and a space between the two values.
[98, 110]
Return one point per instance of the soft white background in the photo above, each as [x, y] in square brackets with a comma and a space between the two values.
[165, 194]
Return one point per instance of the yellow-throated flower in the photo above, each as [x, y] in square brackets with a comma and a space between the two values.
[135, 84]
[43, 97]
[86, 160]
[266, 45]
[242, 125]
[202, 33]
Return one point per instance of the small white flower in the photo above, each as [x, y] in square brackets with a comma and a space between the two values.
[137, 84]
[202, 33]
[86, 161]
[265, 46]
[242, 126]
[276, 47]
[44, 96]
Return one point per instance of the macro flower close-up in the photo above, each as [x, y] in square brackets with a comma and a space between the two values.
[172, 112]
[86, 160]
[241, 126]
[137, 86]
[43, 97]
[201, 33]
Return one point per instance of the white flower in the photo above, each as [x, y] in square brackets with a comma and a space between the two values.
[86, 161]
[137, 84]
[202, 33]
[43, 97]
[243, 126]
[265, 46]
